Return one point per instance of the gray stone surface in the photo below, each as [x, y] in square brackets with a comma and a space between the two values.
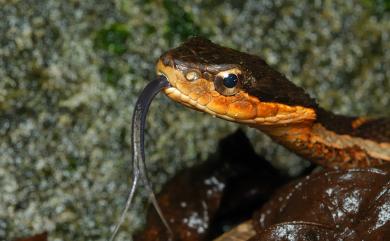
[70, 72]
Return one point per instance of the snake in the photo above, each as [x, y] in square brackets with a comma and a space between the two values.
[243, 88]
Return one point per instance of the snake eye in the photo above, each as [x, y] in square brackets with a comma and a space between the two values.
[230, 81]
[226, 84]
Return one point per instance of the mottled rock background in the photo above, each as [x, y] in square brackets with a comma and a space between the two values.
[70, 72]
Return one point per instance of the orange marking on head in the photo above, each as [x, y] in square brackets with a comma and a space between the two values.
[267, 109]
[358, 122]
[241, 109]
[285, 109]
[218, 104]
[204, 99]
[199, 89]
[185, 87]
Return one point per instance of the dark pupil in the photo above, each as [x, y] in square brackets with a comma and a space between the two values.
[230, 81]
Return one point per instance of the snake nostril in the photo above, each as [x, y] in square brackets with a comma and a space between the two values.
[192, 75]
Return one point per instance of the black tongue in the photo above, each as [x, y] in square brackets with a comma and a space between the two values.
[137, 140]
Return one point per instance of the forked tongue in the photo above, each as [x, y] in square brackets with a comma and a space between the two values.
[138, 158]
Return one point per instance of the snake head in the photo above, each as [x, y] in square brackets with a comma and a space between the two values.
[232, 85]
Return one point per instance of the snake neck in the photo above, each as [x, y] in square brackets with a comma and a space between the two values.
[334, 141]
